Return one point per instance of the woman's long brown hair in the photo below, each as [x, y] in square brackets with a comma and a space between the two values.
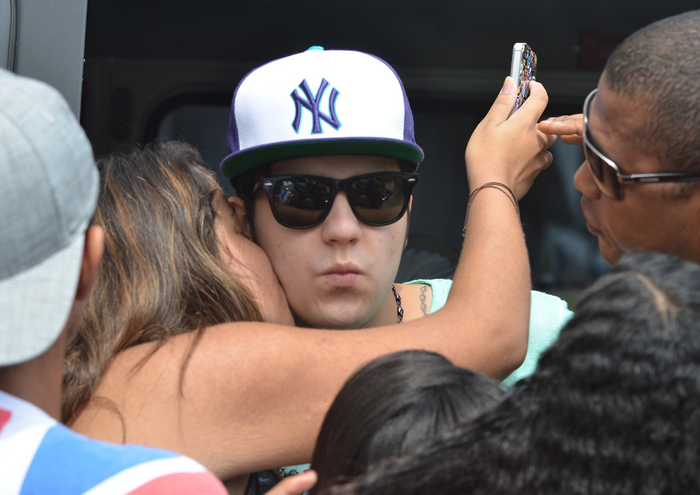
[160, 274]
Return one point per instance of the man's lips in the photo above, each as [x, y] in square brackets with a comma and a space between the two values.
[342, 275]
[589, 224]
[596, 232]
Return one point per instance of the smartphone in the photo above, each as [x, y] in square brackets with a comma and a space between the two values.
[523, 68]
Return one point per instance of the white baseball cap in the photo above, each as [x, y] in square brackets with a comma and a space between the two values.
[319, 102]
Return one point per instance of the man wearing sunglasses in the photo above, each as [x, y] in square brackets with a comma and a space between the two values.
[639, 130]
[323, 158]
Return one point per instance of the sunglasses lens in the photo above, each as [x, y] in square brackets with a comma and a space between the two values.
[379, 199]
[300, 201]
[604, 174]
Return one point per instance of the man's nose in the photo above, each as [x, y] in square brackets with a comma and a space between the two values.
[341, 225]
[583, 181]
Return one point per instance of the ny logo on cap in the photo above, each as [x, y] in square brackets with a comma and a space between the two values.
[312, 103]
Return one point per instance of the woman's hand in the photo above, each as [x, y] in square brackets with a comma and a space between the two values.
[295, 485]
[569, 127]
[510, 150]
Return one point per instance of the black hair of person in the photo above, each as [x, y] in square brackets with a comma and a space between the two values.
[658, 67]
[612, 409]
[393, 405]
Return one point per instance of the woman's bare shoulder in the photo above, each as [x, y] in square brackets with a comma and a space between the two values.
[246, 372]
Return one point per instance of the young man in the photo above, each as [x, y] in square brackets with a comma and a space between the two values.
[640, 133]
[323, 158]
[49, 256]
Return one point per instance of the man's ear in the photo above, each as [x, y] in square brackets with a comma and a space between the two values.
[92, 255]
[238, 206]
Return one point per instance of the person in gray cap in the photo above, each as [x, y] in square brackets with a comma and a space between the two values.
[49, 256]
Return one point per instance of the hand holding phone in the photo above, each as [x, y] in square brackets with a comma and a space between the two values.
[523, 68]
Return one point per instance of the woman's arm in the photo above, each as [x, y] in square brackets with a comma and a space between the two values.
[254, 395]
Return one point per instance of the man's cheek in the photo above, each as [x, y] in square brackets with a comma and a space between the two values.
[288, 266]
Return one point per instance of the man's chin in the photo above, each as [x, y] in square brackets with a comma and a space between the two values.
[609, 252]
[325, 323]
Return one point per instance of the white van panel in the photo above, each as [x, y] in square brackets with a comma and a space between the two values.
[50, 43]
[8, 33]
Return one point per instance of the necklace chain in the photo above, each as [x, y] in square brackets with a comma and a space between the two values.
[399, 308]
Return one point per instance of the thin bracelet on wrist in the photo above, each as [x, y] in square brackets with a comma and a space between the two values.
[495, 185]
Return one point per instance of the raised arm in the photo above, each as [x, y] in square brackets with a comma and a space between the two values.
[253, 395]
[491, 288]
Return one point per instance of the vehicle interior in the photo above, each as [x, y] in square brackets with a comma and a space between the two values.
[137, 70]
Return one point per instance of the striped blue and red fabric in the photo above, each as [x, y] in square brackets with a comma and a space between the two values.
[39, 456]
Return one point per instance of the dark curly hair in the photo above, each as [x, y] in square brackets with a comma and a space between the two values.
[613, 407]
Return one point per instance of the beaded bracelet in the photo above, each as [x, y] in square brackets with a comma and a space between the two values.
[496, 185]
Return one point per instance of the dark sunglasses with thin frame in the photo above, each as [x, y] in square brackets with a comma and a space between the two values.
[303, 201]
[607, 174]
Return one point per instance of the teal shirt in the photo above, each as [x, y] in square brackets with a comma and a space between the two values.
[548, 314]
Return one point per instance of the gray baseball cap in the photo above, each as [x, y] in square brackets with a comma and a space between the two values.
[48, 193]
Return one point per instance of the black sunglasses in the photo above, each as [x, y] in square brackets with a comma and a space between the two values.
[607, 174]
[303, 201]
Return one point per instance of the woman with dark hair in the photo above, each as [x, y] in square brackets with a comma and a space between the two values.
[393, 405]
[613, 408]
[187, 342]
